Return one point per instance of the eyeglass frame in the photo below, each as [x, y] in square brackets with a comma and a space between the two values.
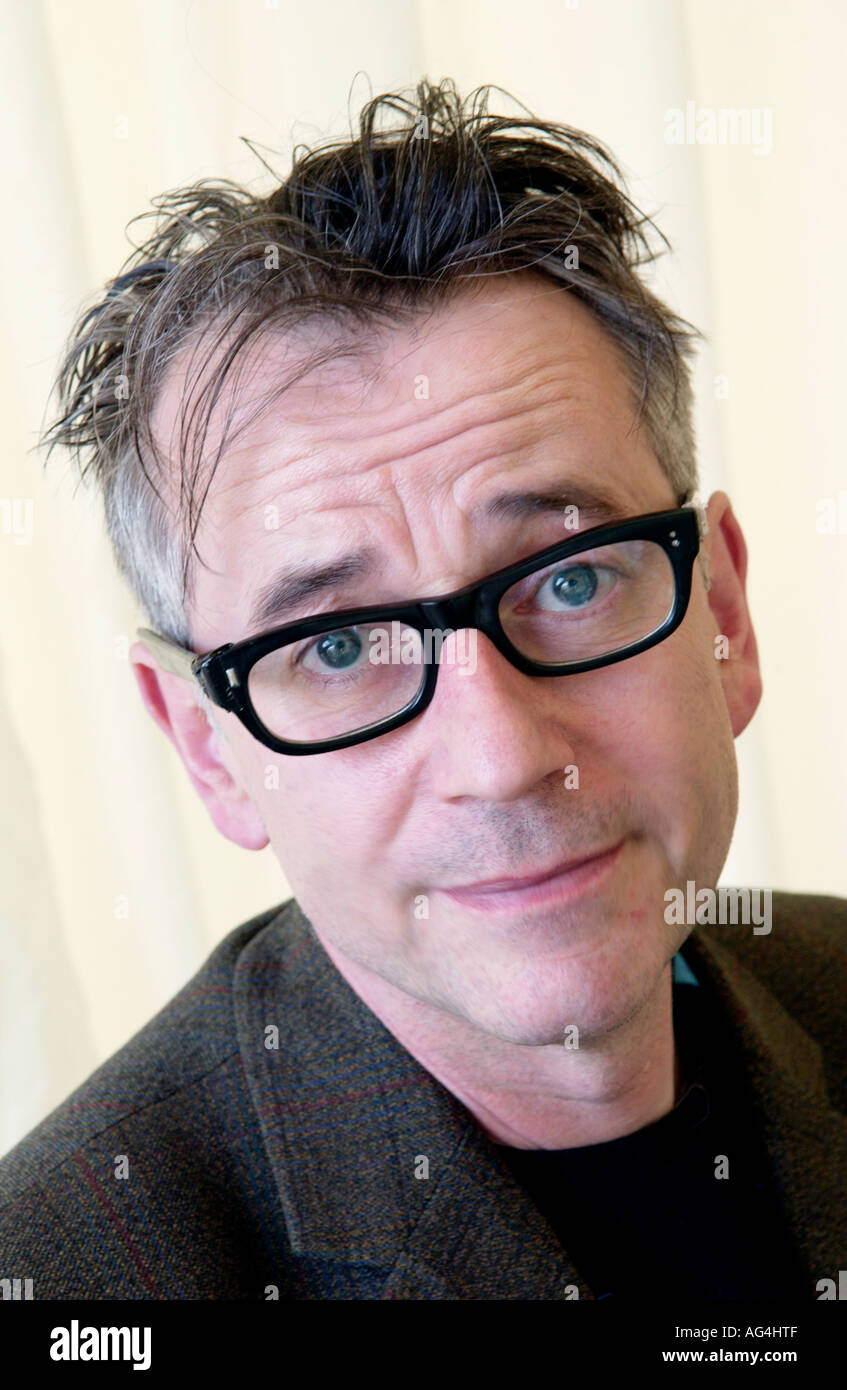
[223, 673]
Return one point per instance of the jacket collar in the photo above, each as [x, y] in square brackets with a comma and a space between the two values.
[349, 1117]
[804, 1133]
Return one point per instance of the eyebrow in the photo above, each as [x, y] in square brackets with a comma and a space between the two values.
[593, 503]
[290, 587]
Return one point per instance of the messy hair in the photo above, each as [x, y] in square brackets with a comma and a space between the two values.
[432, 193]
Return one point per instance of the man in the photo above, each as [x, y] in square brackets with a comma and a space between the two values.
[469, 1058]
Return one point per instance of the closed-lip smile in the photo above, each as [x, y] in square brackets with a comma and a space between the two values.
[564, 880]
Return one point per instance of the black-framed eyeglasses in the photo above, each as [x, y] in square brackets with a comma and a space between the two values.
[320, 684]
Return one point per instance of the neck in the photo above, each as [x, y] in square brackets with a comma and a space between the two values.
[537, 1096]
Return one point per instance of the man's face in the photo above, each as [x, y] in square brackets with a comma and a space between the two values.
[513, 387]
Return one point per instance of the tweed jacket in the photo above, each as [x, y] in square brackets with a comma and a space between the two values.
[263, 1136]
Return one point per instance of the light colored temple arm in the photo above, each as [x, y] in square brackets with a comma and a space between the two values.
[170, 656]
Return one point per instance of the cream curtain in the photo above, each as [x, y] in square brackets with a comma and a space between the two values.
[114, 885]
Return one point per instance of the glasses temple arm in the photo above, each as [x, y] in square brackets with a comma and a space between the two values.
[170, 655]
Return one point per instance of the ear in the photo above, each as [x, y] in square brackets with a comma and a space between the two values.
[726, 554]
[174, 703]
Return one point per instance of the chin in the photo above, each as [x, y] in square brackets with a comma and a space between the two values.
[599, 993]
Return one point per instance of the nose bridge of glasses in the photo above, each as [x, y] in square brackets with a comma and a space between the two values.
[461, 611]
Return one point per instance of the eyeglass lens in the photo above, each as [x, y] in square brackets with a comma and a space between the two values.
[587, 606]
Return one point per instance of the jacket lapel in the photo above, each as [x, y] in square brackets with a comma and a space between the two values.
[804, 1134]
[377, 1164]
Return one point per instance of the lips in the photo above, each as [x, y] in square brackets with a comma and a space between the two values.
[504, 885]
[565, 882]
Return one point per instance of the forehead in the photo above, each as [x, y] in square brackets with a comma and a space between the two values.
[487, 339]
[414, 418]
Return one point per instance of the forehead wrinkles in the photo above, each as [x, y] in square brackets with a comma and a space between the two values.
[384, 342]
[347, 464]
[195, 408]
[338, 407]
[380, 353]
[350, 435]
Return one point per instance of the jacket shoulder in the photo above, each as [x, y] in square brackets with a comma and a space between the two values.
[802, 963]
[808, 934]
[157, 1114]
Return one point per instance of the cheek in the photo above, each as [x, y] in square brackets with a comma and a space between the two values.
[331, 813]
[664, 731]
[332, 835]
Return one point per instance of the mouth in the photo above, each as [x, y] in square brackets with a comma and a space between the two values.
[565, 882]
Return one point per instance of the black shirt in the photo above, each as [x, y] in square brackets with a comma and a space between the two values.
[648, 1213]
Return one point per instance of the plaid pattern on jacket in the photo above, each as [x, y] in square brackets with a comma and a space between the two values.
[266, 1163]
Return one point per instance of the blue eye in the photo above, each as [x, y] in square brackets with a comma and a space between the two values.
[575, 589]
[338, 650]
[576, 585]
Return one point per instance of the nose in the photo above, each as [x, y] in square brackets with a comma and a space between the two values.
[491, 731]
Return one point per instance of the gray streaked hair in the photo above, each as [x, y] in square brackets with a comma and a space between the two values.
[361, 233]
